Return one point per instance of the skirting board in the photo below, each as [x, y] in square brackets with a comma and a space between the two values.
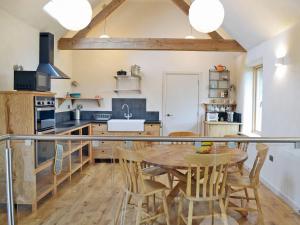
[279, 194]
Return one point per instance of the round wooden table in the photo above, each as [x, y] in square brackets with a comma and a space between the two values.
[171, 156]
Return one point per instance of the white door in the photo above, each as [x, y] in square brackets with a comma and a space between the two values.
[181, 103]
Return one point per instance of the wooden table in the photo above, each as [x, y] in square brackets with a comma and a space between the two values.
[171, 157]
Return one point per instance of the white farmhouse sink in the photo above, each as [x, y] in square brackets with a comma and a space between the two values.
[125, 125]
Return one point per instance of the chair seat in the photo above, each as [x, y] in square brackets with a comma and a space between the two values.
[152, 187]
[238, 181]
[154, 171]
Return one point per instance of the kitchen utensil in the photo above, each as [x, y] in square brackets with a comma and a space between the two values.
[220, 68]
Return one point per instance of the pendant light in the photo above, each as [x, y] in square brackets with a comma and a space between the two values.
[206, 15]
[104, 35]
[71, 14]
[191, 35]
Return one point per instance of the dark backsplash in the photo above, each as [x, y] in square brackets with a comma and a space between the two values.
[137, 107]
[61, 117]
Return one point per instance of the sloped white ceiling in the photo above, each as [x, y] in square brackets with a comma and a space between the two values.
[250, 22]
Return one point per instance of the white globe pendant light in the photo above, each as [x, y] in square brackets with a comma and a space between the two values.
[72, 14]
[206, 15]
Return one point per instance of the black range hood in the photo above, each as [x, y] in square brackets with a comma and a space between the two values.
[47, 57]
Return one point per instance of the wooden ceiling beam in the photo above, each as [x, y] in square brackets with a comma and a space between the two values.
[163, 44]
[185, 8]
[109, 9]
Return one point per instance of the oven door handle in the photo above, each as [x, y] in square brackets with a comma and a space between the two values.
[45, 109]
[46, 132]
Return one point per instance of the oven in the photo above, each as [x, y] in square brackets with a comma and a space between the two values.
[44, 114]
[44, 124]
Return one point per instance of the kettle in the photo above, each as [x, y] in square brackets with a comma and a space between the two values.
[220, 68]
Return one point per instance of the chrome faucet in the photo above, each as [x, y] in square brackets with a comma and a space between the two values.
[127, 115]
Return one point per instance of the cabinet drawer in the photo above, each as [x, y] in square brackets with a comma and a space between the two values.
[152, 129]
[99, 128]
[102, 154]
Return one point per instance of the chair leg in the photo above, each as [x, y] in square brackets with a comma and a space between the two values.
[246, 194]
[179, 209]
[223, 211]
[190, 215]
[166, 209]
[260, 213]
[228, 193]
[170, 179]
[139, 211]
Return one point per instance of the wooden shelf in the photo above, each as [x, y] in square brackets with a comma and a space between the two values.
[62, 177]
[127, 90]
[127, 77]
[75, 166]
[85, 159]
[61, 100]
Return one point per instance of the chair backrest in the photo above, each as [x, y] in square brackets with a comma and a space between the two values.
[262, 151]
[241, 145]
[130, 162]
[182, 134]
[207, 173]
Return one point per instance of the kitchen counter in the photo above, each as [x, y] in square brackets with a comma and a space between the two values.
[73, 124]
[222, 123]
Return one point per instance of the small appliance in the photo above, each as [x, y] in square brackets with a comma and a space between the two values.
[212, 117]
[31, 81]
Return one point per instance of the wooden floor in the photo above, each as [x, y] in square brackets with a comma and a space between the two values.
[92, 197]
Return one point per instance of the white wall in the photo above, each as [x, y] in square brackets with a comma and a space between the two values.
[281, 95]
[20, 45]
[94, 70]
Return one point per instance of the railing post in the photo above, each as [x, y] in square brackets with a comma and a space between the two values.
[9, 185]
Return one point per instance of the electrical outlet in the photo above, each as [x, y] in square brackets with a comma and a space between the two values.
[271, 158]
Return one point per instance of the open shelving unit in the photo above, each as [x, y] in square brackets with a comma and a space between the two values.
[75, 156]
[128, 84]
[219, 84]
[61, 100]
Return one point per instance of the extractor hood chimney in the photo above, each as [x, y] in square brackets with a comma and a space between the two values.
[47, 57]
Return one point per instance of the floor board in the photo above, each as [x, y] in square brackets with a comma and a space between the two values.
[91, 198]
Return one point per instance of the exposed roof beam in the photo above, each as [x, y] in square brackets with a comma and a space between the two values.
[185, 8]
[109, 9]
[163, 44]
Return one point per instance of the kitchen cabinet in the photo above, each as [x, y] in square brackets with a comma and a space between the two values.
[220, 129]
[104, 149]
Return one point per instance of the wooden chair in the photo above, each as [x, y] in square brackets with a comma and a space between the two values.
[239, 168]
[136, 186]
[182, 134]
[237, 183]
[206, 181]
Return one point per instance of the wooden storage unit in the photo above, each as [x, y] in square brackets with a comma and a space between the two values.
[31, 184]
[103, 149]
[219, 84]
[220, 129]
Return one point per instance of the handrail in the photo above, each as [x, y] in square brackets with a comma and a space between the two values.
[4, 137]
[153, 138]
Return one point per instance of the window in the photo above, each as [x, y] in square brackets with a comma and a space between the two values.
[257, 98]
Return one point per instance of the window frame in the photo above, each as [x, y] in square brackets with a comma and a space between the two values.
[254, 101]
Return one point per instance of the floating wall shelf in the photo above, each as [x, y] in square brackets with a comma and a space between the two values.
[128, 84]
[61, 100]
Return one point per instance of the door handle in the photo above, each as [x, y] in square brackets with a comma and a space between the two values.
[168, 115]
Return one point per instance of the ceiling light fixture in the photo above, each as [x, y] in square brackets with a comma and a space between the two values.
[206, 15]
[104, 35]
[71, 14]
